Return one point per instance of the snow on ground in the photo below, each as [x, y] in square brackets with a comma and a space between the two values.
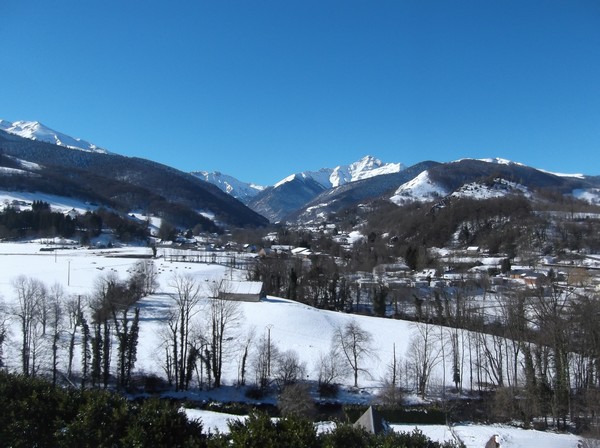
[213, 421]
[293, 326]
[476, 436]
[473, 436]
[58, 203]
[438, 433]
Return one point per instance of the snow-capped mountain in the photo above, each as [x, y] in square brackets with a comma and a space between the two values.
[34, 130]
[363, 169]
[294, 191]
[366, 167]
[244, 191]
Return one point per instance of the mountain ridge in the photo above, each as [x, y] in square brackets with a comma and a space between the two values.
[34, 130]
[126, 183]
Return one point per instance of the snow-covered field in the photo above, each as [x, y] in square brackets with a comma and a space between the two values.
[293, 326]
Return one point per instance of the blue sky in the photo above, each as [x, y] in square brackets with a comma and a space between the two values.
[262, 89]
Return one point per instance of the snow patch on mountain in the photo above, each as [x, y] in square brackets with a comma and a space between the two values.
[499, 188]
[229, 184]
[421, 188]
[575, 175]
[34, 130]
[9, 171]
[591, 195]
[500, 161]
[24, 200]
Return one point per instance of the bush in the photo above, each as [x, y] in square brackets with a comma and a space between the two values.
[295, 400]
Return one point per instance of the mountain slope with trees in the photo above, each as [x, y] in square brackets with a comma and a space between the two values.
[124, 183]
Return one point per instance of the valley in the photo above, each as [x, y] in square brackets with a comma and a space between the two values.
[472, 285]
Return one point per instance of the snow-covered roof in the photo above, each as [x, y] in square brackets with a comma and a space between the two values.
[241, 287]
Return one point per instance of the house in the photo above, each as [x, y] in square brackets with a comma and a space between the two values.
[301, 252]
[241, 291]
[372, 422]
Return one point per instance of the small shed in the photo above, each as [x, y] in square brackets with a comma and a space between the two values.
[241, 291]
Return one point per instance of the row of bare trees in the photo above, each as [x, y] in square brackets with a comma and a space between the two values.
[52, 326]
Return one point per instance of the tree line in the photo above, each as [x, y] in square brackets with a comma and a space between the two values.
[42, 221]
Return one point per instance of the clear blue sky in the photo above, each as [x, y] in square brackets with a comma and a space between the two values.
[262, 89]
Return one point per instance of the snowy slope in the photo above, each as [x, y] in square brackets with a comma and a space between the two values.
[421, 188]
[35, 130]
[243, 191]
[293, 326]
[23, 201]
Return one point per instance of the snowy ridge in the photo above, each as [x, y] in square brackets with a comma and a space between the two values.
[229, 184]
[34, 130]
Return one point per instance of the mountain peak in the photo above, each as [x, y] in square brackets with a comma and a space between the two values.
[244, 191]
[34, 130]
[364, 168]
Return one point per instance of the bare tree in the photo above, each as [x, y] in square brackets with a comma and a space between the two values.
[144, 273]
[56, 320]
[245, 351]
[355, 345]
[185, 305]
[4, 317]
[288, 369]
[424, 353]
[391, 394]
[28, 310]
[222, 318]
[265, 350]
[74, 311]
[330, 369]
